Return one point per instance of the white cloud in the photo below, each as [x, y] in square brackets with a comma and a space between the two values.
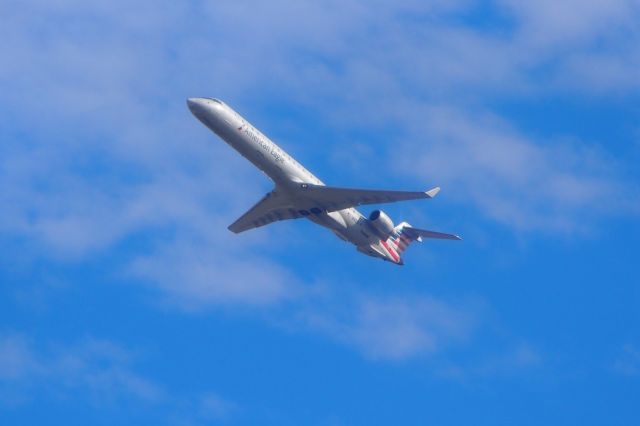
[97, 372]
[603, 72]
[105, 160]
[97, 369]
[196, 276]
[426, 80]
[589, 46]
[101, 147]
[525, 184]
[395, 328]
[94, 83]
[559, 24]
[512, 360]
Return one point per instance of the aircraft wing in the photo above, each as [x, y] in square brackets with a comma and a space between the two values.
[416, 234]
[331, 198]
[273, 207]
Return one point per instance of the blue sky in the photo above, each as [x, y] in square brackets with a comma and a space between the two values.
[124, 299]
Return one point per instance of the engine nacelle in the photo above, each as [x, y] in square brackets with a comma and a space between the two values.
[381, 223]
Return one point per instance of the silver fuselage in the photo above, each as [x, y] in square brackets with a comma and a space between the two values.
[287, 173]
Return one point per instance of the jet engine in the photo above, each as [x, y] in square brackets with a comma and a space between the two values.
[381, 223]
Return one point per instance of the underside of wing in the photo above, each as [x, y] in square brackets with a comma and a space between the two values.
[273, 207]
[331, 198]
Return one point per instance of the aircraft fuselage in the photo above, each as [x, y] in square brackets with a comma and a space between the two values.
[287, 174]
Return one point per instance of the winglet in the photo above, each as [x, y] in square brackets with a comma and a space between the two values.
[433, 192]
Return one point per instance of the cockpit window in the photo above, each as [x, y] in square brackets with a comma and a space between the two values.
[215, 100]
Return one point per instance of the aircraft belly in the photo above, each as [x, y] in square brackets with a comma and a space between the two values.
[338, 222]
[332, 220]
[348, 223]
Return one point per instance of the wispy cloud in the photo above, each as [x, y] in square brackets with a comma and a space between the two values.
[97, 369]
[195, 276]
[98, 372]
[510, 360]
[213, 407]
[16, 359]
[95, 89]
[427, 85]
[515, 180]
[396, 328]
[101, 147]
[560, 25]
[628, 361]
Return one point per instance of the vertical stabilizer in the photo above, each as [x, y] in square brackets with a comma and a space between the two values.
[401, 239]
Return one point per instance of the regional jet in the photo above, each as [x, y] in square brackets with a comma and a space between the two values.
[298, 193]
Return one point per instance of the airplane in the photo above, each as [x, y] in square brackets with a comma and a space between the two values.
[300, 194]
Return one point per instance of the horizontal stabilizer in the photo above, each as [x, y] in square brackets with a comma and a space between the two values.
[416, 233]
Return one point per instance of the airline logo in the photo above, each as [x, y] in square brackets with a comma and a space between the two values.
[394, 255]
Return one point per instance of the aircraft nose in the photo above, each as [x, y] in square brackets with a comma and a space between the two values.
[195, 104]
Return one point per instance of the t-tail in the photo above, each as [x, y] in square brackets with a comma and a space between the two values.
[400, 240]
[404, 234]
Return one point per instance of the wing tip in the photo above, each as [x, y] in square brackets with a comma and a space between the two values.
[432, 192]
[233, 228]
